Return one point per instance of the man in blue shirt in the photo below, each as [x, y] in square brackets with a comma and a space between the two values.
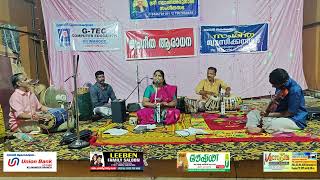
[289, 115]
[100, 94]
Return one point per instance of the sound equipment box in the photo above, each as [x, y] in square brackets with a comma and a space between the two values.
[313, 113]
[181, 104]
[118, 108]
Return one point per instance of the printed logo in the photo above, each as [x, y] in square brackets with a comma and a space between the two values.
[12, 162]
[64, 37]
[29, 162]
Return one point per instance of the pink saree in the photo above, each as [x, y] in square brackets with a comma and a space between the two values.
[169, 115]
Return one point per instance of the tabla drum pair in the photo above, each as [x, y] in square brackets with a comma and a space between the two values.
[231, 103]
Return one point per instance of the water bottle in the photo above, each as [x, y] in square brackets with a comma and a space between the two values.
[23, 136]
[222, 105]
[158, 115]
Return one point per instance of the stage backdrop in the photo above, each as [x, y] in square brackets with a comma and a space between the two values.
[247, 73]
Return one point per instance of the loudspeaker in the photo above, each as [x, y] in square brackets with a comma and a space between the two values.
[133, 107]
[118, 108]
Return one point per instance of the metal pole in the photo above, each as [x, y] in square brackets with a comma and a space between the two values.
[138, 83]
[76, 92]
[77, 144]
[16, 30]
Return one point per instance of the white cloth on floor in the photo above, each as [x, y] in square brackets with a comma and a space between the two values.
[271, 124]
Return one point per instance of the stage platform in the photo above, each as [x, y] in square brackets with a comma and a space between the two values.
[165, 169]
[239, 150]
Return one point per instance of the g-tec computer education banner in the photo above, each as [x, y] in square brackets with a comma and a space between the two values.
[234, 39]
[150, 44]
[146, 9]
[87, 36]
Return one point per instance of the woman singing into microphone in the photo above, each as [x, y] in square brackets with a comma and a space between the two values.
[162, 95]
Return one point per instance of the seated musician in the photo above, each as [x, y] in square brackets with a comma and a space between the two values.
[210, 87]
[25, 109]
[100, 94]
[34, 86]
[290, 114]
[159, 94]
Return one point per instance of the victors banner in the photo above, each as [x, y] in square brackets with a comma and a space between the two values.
[87, 36]
[145, 9]
[233, 39]
[290, 162]
[150, 44]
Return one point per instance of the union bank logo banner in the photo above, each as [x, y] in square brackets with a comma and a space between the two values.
[30, 162]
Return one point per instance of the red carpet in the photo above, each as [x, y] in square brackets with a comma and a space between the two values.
[231, 122]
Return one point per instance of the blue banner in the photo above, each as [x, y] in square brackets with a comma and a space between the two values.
[146, 9]
[233, 39]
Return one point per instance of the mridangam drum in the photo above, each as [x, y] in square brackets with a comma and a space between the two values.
[57, 117]
[231, 103]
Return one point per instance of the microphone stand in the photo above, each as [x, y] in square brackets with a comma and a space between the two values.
[77, 144]
[68, 132]
[137, 86]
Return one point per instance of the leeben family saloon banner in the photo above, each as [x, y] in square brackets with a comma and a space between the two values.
[146, 9]
[87, 36]
[234, 39]
[150, 44]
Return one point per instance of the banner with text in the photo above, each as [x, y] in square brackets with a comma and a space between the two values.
[145, 9]
[234, 39]
[203, 161]
[29, 162]
[151, 44]
[87, 36]
[117, 161]
[290, 162]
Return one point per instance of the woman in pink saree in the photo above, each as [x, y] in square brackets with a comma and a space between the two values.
[162, 95]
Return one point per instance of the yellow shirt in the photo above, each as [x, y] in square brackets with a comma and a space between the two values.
[206, 85]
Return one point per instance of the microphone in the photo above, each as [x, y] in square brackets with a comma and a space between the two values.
[157, 80]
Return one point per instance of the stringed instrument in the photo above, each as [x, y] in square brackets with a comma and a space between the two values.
[272, 106]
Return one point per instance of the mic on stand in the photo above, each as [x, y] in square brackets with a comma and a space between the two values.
[158, 105]
[77, 144]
